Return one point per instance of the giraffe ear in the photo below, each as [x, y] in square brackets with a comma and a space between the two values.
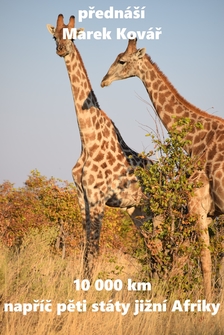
[51, 29]
[140, 52]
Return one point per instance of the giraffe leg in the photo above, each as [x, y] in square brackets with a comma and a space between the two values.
[92, 211]
[94, 215]
[201, 204]
[206, 262]
[86, 224]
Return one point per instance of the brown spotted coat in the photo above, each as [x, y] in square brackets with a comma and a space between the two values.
[104, 173]
[206, 143]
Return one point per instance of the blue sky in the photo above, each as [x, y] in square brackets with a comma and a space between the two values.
[37, 117]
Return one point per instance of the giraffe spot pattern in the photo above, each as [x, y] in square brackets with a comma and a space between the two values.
[99, 157]
[155, 85]
[104, 158]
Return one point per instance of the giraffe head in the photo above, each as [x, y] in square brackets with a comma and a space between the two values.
[125, 65]
[63, 46]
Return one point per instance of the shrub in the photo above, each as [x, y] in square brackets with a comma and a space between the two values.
[44, 202]
[171, 236]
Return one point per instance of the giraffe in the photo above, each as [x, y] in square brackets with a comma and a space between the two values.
[206, 143]
[104, 172]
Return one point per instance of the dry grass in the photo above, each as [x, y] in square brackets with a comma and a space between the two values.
[34, 273]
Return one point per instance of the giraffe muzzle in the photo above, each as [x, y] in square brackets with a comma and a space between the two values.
[105, 82]
[61, 51]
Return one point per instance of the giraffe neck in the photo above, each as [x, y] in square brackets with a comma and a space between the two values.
[86, 105]
[94, 124]
[170, 105]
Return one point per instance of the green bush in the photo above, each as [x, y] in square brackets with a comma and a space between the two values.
[171, 237]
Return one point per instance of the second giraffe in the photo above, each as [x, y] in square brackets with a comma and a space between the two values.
[206, 143]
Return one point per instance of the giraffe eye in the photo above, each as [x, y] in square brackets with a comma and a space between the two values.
[122, 62]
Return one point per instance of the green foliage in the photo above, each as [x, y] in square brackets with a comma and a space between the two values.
[119, 232]
[171, 235]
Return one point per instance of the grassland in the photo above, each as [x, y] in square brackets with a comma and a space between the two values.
[35, 273]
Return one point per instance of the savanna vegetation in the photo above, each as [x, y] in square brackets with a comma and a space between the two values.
[42, 244]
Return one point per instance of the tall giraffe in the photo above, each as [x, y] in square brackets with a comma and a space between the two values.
[206, 143]
[103, 173]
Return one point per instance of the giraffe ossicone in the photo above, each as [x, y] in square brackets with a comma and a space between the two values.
[104, 172]
[206, 143]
